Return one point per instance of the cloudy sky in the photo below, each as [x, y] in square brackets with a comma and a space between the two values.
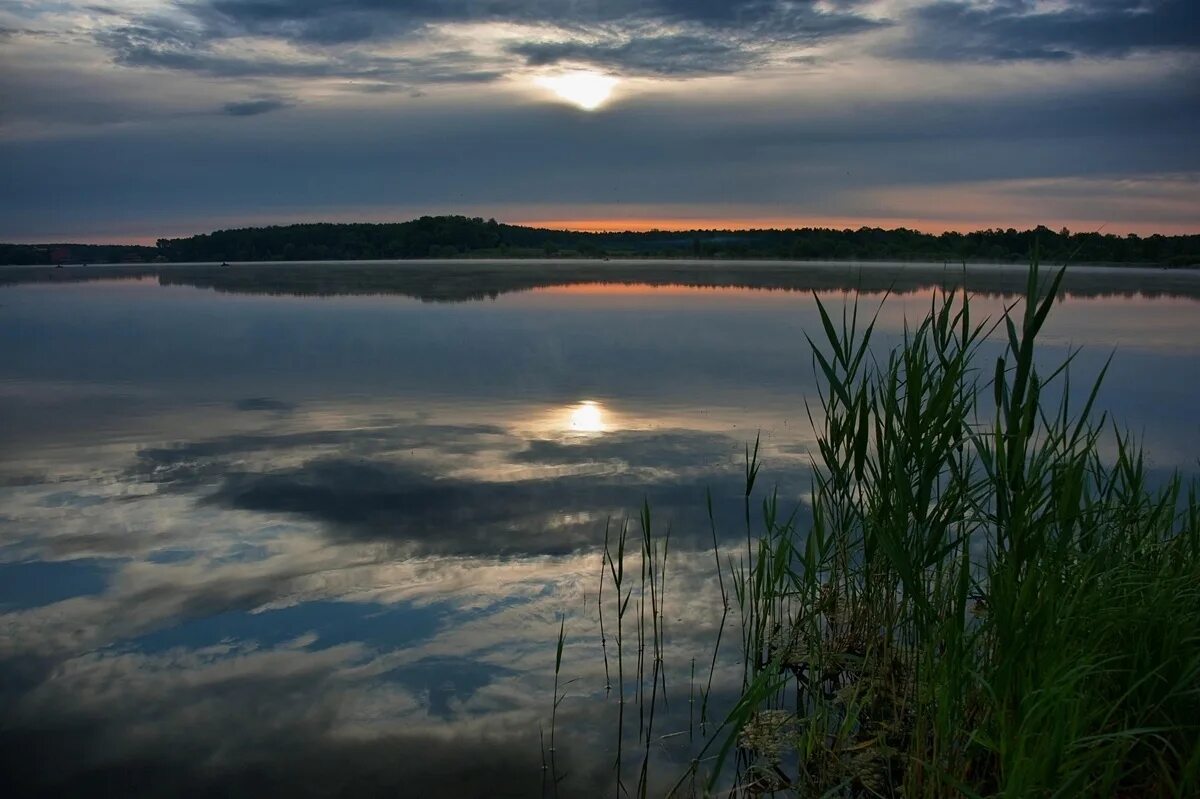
[125, 120]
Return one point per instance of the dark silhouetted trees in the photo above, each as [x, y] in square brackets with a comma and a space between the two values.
[460, 236]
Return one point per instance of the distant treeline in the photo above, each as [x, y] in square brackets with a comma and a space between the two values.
[460, 236]
[46, 254]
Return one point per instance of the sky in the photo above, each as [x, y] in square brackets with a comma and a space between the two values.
[129, 120]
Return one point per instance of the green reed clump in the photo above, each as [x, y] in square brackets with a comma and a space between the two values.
[992, 598]
[988, 602]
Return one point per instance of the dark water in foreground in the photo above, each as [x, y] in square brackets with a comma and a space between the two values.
[262, 543]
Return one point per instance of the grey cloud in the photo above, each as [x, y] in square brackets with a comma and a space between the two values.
[302, 762]
[128, 41]
[427, 513]
[21, 480]
[661, 55]
[362, 494]
[356, 20]
[71, 499]
[801, 160]
[678, 450]
[808, 155]
[259, 723]
[161, 45]
[630, 37]
[446, 67]
[171, 462]
[249, 108]
[264, 404]
[313, 22]
[445, 678]
[1016, 30]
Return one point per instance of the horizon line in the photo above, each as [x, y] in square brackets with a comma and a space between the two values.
[933, 227]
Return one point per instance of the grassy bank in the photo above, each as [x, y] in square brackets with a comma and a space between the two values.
[992, 598]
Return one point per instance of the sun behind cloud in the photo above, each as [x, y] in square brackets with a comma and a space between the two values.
[583, 89]
[586, 417]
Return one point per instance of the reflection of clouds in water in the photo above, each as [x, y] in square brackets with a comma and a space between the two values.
[241, 722]
[333, 526]
[264, 404]
[484, 675]
[446, 439]
[429, 513]
[676, 451]
[358, 593]
[32, 583]
[454, 489]
[380, 611]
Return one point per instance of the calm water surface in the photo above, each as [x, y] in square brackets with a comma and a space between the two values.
[253, 544]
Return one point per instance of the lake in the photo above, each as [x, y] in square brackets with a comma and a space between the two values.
[315, 528]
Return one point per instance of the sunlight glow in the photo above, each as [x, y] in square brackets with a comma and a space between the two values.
[587, 90]
[587, 417]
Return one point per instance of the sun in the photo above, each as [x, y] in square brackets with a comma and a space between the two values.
[587, 417]
[586, 90]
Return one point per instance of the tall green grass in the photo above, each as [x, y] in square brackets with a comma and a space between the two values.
[992, 599]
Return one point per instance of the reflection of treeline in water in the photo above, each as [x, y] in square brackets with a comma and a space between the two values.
[993, 597]
[475, 280]
[459, 236]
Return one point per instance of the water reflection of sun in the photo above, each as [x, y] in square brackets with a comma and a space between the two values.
[586, 417]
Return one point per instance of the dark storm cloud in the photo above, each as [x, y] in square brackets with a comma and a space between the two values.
[1013, 30]
[250, 108]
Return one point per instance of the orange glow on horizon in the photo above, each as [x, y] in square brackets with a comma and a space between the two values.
[932, 226]
[640, 224]
[642, 291]
[659, 289]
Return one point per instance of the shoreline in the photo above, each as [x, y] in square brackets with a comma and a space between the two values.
[476, 279]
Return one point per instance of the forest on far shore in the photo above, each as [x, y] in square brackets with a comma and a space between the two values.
[468, 237]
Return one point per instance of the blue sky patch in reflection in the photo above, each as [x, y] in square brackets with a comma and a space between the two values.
[31, 584]
[169, 556]
[330, 623]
